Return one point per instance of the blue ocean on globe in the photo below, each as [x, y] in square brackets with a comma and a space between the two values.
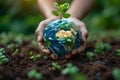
[62, 36]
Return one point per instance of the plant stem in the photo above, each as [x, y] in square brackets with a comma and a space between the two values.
[60, 15]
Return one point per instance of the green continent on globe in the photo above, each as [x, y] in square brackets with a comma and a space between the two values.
[62, 36]
[67, 36]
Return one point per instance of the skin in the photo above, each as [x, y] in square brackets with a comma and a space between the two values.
[78, 10]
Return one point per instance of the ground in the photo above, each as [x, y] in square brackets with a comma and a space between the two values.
[100, 68]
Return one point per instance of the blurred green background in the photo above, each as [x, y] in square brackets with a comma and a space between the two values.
[23, 17]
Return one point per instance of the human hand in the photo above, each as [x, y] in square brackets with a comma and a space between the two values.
[84, 34]
[43, 49]
[39, 34]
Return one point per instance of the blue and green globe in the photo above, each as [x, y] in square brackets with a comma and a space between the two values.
[62, 36]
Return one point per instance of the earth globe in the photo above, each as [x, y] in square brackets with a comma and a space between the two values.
[62, 36]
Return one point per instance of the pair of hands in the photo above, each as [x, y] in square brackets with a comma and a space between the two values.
[43, 49]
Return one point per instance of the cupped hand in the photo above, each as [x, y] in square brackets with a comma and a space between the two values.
[84, 34]
[39, 34]
[43, 49]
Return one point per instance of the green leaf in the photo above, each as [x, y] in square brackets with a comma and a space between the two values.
[56, 5]
[66, 15]
[5, 60]
[55, 13]
[116, 74]
[38, 76]
[61, 6]
[66, 5]
[65, 71]
[31, 53]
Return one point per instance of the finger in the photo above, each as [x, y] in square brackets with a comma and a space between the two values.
[83, 30]
[81, 48]
[40, 29]
[39, 34]
[54, 56]
[43, 49]
[84, 35]
[68, 56]
[77, 51]
[81, 26]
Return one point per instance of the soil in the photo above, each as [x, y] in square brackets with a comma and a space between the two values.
[98, 69]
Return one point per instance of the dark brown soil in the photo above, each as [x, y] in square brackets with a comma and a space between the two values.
[98, 69]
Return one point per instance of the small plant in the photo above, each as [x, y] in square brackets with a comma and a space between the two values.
[2, 51]
[118, 52]
[116, 74]
[15, 52]
[100, 47]
[45, 57]
[55, 66]
[90, 55]
[34, 56]
[70, 69]
[10, 46]
[107, 46]
[61, 10]
[3, 58]
[34, 74]
[78, 76]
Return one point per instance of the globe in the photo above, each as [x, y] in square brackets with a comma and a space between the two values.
[62, 36]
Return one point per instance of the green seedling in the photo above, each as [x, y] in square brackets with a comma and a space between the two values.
[15, 52]
[2, 51]
[34, 74]
[61, 10]
[116, 74]
[3, 58]
[10, 46]
[45, 57]
[70, 69]
[118, 52]
[55, 66]
[90, 55]
[34, 56]
[107, 46]
[78, 76]
[100, 47]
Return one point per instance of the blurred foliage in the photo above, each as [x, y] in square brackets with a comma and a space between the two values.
[20, 16]
[23, 16]
[7, 38]
[105, 15]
